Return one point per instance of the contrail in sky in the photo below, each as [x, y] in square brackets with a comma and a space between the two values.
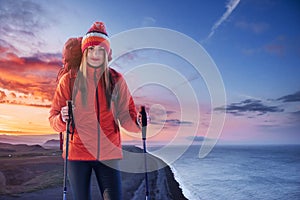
[231, 5]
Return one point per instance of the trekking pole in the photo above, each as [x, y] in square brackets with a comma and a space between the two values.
[69, 103]
[144, 130]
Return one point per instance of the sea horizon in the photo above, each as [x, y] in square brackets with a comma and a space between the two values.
[39, 139]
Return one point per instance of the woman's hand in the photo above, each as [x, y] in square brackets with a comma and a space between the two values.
[64, 113]
[139, 119]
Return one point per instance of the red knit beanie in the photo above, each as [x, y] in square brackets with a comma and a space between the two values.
[96, 35]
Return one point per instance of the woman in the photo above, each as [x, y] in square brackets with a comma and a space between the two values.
[101, 101]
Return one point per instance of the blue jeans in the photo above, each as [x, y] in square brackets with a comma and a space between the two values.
[109, 179]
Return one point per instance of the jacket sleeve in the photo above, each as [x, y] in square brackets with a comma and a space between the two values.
[126, 110]
[61, 95]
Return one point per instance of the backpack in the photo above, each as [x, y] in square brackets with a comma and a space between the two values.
[71, 57]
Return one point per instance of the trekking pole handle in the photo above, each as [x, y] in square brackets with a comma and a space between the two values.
[144, 121]
[70, 111]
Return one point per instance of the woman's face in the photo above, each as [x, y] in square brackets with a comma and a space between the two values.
[95, 56]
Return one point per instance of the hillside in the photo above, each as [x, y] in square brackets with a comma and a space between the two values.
[29, 171]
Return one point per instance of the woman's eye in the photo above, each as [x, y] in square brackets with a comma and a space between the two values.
[90, 48]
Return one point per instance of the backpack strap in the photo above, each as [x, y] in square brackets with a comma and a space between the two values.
[71, 86]
[114, 77]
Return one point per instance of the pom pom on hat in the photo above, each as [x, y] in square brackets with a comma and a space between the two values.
[96, 35]
[98, 27]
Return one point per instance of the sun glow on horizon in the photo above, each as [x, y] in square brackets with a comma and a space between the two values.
[24, 120]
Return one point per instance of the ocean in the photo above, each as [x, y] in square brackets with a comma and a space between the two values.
[239, 172]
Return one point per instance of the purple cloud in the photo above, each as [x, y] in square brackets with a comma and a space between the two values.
[249, 106]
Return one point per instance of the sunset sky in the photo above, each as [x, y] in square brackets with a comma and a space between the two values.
[254, 44]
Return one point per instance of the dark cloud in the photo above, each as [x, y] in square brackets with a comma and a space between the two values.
[177, 122]
[163, 117]
[50, 58]
[21, 23]
[196, 138]
[296, 113]
[171, 122]
[296, 116]
[290, 98]
[249, 106]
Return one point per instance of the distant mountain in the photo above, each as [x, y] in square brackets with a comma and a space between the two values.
[6, 148]
[51, 144]
[27, 139]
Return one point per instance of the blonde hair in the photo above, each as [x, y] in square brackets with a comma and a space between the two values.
[105, 79]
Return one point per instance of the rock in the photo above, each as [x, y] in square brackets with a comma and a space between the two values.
[2, 183]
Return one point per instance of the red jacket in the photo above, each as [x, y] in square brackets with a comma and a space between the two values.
[93, 140]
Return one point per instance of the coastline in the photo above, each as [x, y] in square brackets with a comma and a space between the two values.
[162, 182]
[175, 187]
[186, 193]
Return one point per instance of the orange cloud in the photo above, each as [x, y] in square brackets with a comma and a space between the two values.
[30, 76]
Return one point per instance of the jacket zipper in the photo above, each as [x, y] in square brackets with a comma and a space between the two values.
[98, 124]
[98, 115]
